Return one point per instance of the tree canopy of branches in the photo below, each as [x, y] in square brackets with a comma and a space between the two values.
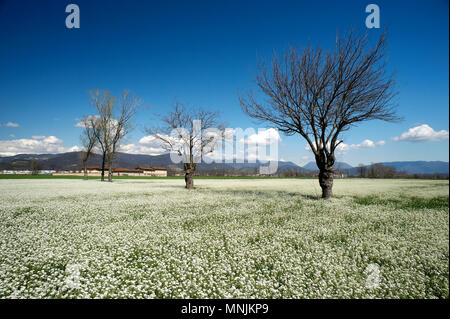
[114, 121]
[191, 133]
[320, 94]
[88, 140]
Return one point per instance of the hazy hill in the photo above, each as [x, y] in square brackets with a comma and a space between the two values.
[72, 160]
[311, 166]
[420, 167]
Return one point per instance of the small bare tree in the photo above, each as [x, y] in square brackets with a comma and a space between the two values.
[34, 167]
[104, 102]
[88, 140]
[361, 170]
[321, 94]
[191, 133]
[113, 123]
[120, 125]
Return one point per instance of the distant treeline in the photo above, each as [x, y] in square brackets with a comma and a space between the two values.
[371, 171]
[383, 171]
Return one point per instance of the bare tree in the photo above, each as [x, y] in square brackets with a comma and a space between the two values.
[88, 140]
[120, 125]
[104, 102]
[362, 170]
[192, 133]
[34, 167]
[379, 170]
[113, 123]
[320, 94]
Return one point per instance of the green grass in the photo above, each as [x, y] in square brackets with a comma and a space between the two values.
[20, 176]
[405, 202]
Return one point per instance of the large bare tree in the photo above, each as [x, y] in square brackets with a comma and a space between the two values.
[191, 133]
[320, 94]
[114, 122]
[88, 140]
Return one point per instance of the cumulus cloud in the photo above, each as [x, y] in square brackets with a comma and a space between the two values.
[80, 122]
[35, 145]
[10, 124]
[74, 148]
[346, 147]
[136, 148]
[148, 145]
[263, 137]
[363, 144]
[422, 133]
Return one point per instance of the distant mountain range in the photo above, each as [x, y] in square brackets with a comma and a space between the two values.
[409, 167]
[420, 167]
[311, 166]
[72, 160]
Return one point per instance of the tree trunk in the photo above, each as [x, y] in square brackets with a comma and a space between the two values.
[189, 170]
[85, 171]
[189, 181]
[109, 172]
[326, 182]
[103, 167]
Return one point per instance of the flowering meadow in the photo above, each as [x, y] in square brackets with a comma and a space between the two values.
[236, 238]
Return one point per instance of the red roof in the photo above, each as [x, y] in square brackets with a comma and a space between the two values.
[126, 170]
[154, 168]
[94, 167]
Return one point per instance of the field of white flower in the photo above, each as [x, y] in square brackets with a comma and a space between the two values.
[262, 238]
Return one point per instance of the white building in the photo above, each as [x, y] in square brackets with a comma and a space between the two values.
[153, 171]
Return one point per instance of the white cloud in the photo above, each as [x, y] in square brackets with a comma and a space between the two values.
[263, 137]
[148, 145]
[35, 145]
[149, 140]
[422, 133]
[80, 122]
[341, 148]
[363, 144]
[10, 124]
[74, 148]
[136, 148]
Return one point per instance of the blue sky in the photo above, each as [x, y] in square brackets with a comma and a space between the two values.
[202, 52]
